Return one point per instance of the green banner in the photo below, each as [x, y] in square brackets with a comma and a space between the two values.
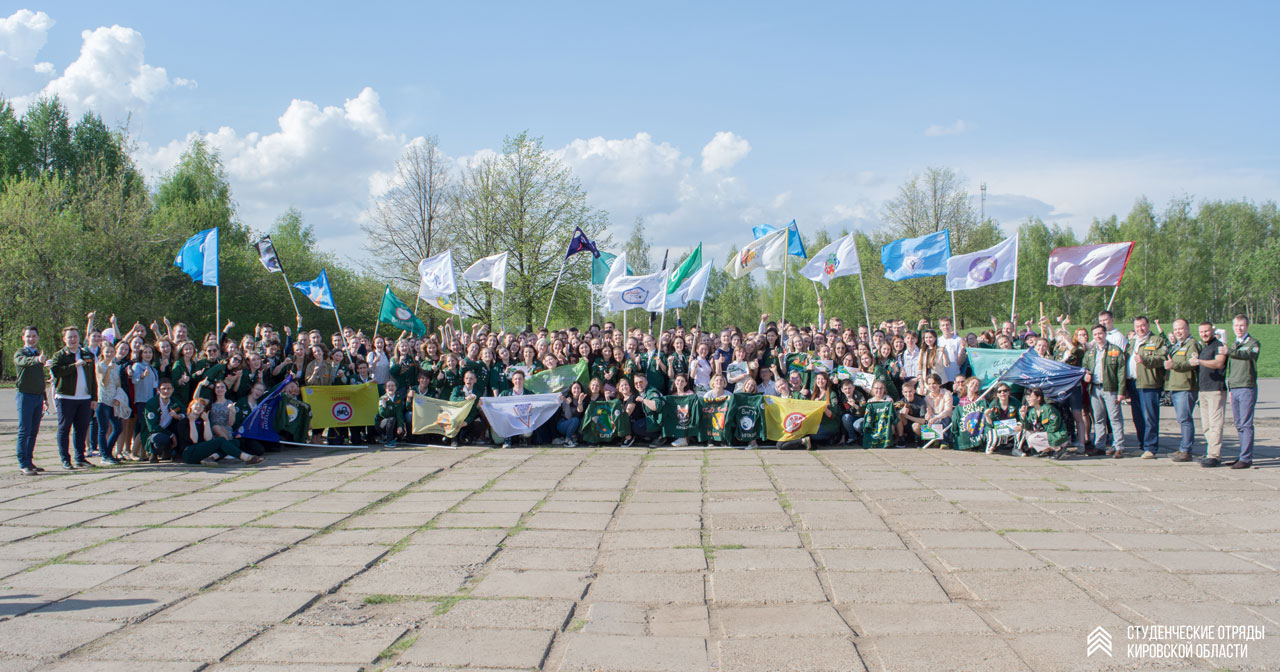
[691, 265]
[397, 314]
[988, 364]
[558, 379]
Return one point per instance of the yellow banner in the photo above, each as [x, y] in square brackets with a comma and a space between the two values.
[342, 405]
[434, 416]
[787, 419]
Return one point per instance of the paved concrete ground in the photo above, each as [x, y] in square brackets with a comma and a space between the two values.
[619, 559]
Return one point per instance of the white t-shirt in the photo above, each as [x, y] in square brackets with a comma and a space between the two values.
[82, 385]
[952, 346]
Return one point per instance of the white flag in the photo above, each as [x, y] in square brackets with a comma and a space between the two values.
[437, 276]
[693, 289]
[492, 270]
[1089, 265]
[836, 260]
[516, 415]
[768, 252]
[984, 267]
[635, 291]
[446, 304]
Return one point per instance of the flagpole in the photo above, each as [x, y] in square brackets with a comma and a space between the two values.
[591, 300]
[865, 310]
[1113, 296]
[553, 293]
[504, 310]
[217, 307]
[1014, 302]
[786, 263]
[700, 302]
[954, 323]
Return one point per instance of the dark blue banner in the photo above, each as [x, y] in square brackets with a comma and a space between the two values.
[1056, 378]
[260, 424]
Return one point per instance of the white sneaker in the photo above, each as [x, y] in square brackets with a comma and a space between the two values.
[682, 441]
[557, 441]
[1148, 455]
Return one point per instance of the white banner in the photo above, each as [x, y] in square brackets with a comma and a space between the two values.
[984, 267]
[515, 415]
[436, 275]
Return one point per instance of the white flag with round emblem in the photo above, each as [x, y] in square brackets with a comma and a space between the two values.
[624, 292]
[995, 264]
[836, 260]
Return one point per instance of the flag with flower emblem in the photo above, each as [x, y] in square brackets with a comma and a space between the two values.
[836, 260]
[397, 314]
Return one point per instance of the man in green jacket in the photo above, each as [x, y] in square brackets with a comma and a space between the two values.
[29, 362]
[75, 387]
[475, 429]
[1242, 381]
[161, 417]
[1181, 381]
[1104, 374]
[1145, 371]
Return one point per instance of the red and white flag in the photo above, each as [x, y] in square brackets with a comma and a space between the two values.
[1089, 265]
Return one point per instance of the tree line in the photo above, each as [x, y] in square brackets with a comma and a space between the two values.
[81, 230]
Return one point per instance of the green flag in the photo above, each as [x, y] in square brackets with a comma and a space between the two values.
[746, 418]
[989, 364]
[558, 379]
[604, 421]
[877, 425]
[691, 265]
[395, 313]
[680, 415]
[713, 417]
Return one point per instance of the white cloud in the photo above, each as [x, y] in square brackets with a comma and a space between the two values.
[724, 151]
[327, 161]
[954, 129]
[22, 35]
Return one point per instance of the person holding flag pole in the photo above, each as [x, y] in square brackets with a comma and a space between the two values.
[271, 261]
[578, 243]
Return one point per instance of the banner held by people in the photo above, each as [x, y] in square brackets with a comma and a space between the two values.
[558, 379]
[787, 419]
[680, 415]
[518, 415]
[988, 363]
[1057, 379]
[437, 416]
[260, 423]
[342, 405]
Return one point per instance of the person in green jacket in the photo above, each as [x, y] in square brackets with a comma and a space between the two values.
[75, 388]
[1103, 366]
[293, 416]
[1042, 427]
[1242, 382]
[475, 429]
[1146, 357]
[391, 413]
[1182, 383]
[29, 363]
[161, 419]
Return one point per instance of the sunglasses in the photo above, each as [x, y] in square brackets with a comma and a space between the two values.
[1002, 391]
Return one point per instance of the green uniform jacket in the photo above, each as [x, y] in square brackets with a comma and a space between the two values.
[1150, 368]
[405, 373]
[460, 394]
[1242, 363]
[151, 417]
[449, 381]
[1045, 418]
[30, 371]
[1112, 368]
[393, 408]
[64, 372]
[1182, 377]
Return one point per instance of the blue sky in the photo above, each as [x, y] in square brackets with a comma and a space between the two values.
[706, 117]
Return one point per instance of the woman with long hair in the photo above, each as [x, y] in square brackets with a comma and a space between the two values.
[110, 405]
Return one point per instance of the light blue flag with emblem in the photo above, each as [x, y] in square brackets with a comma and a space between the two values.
[199, 258]
[998, 263]
[795, 246]
[318, 291]
[919, 257]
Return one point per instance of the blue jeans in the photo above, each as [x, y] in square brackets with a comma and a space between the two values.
[851, 426]
[1243, 399]
[73, 420]
[30, 410]
[567, 427]
[1146, 418]
[1184, 403]
[109, 428]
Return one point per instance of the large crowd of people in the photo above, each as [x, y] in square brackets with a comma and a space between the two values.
[161, 393]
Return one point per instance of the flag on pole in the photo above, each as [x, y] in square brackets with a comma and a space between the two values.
[492, 270]
[515, 415]
[260, 423]
[397, 314]
[436, 274]
[580, 242]
[836, 260]
[687, 268]
[766, 252]
[436, 416]
[985, 267]
[1089, 265]
[318, 291]
[693, 289]
[989, 364]
[267, 255]
[919, 257]
[1057, 379]
[795, 246]
[199, 257]
[601, 265]
[623, 292]
[446, 304]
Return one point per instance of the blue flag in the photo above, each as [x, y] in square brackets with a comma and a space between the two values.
[318, 291]
[795, 246]
[1057, 379]
[917, 257]
[580, 242]
[199, 258]
[260, 423]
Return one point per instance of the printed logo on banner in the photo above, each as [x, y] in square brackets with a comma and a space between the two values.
[682, 414]
[912, 262]
[403, 314]
[792, 422]
[524, 413]
[829, 268]
[635, 296]
[982, 269]
[341, 411]
[746, 257]
[445, 422]
[747, 423]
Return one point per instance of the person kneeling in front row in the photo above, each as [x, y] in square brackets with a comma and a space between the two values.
[203, 447]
